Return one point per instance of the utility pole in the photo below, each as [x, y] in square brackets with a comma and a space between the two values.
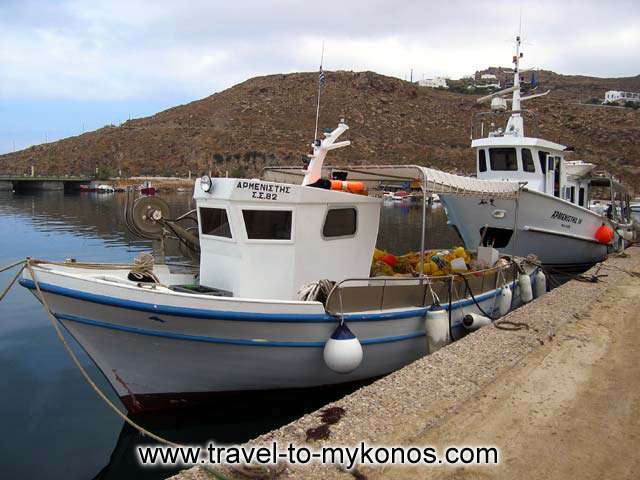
[412, 75]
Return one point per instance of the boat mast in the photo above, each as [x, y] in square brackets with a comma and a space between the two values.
[320, 82]
[515, 125]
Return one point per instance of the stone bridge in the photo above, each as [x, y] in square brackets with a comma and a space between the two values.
[28, 183]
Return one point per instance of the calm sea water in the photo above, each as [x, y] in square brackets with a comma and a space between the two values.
[52, 424]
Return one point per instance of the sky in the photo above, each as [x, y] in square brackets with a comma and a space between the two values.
[68, 66]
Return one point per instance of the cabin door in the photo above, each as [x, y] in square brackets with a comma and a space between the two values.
[556, 177]
[550, 175]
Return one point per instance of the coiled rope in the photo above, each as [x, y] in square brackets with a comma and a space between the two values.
[143, 267]
[315, 291]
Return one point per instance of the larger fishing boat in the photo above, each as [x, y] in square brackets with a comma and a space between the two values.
[550, 216]
[283, 296]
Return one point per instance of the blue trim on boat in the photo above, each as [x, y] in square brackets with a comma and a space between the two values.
[227, 341]
[240, 316]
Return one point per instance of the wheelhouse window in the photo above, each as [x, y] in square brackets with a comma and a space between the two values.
[482, 161]
[214, 221]
[527, 161]
[340, 222]
[542, 156]
[267, 224]
[581, 197]
[503, 159]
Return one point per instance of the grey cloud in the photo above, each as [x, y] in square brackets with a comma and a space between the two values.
[134, 49]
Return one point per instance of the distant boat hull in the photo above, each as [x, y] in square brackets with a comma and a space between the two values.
[558, 232]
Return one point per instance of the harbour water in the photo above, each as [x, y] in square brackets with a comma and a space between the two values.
[53, 424]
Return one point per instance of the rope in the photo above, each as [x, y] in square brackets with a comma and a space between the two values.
[473, 297]
[500, 323]
[315, 291]
[143, 267]
[9, 267]
[13, 280]
[28, 265]
[579, 277]
[76, 361]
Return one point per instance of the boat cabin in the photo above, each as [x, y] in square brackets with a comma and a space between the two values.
[540, 163]
[265, 240]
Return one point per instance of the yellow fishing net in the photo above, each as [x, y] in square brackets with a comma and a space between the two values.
[436, 262]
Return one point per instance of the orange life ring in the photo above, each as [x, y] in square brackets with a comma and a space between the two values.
[347, 186]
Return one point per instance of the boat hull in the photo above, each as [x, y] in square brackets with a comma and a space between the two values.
[153, 353]
[558, 232]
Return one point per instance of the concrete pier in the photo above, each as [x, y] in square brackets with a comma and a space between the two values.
[560, 399]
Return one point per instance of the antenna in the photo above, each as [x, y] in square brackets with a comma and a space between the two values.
[320, 82]
[520, 23]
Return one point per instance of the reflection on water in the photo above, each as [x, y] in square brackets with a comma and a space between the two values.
[53, 425]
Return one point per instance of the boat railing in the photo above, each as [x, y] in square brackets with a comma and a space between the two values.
[353, 295]
[480, 128]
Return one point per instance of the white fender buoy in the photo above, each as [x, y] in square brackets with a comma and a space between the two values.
[504, 300]
[436, 326]
[473, 321]
[524, 282]
[539, 284]
[343, 351]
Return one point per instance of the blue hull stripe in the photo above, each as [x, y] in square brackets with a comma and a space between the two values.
[239, 316]
[227, 341]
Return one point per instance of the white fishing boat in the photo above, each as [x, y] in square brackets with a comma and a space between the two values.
[282, 296]
[105, 188]
[550, 216]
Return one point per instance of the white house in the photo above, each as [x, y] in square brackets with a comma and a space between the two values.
[435, 82]
[616, 96]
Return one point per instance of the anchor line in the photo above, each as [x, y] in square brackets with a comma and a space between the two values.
[27, 265]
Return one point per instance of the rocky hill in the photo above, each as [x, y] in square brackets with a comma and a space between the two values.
[270, 120]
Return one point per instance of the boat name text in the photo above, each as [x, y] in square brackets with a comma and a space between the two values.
[563, 217]
[264, 191]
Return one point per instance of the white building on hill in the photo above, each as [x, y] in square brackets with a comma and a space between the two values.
[435, 82]
[616, 96]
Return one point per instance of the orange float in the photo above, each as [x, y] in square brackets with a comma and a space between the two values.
[604, 234]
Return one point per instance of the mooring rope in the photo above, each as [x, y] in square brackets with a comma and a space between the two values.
[15, 277]
[28, 265]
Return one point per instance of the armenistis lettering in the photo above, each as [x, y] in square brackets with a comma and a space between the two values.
[563, 217]
[263, 191]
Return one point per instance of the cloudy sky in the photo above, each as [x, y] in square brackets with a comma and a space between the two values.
[71, 65]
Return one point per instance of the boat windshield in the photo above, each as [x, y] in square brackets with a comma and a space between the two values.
[503, 159]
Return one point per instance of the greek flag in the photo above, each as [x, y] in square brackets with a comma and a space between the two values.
[321, 78]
